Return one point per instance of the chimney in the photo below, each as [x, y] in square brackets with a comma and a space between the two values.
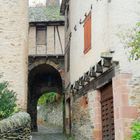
[52, 2]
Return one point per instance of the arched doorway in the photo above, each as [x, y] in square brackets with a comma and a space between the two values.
[42, 78]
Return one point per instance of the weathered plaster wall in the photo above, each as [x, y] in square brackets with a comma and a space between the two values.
[14, 46]
[108, 20]
[50, 49]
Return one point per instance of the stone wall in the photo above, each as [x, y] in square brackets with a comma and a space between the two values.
[134, 94]
[14, 46]
[50, 114]
[82, 117]
[16, 127]
[124, 111]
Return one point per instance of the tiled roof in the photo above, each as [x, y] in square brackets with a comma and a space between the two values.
[45, 14]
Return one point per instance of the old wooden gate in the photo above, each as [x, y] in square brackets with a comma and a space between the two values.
[108, 132]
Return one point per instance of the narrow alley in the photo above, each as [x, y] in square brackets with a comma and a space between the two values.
[69, 69]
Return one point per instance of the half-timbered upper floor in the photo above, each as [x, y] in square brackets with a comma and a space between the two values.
[46, 31]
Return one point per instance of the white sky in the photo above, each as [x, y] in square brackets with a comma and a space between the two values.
[34, 2]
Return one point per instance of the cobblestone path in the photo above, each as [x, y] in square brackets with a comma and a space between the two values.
[51, 133]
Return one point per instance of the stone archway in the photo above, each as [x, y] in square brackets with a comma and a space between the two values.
[43, 77]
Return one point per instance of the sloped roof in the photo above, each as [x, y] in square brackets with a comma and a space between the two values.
[45, 14]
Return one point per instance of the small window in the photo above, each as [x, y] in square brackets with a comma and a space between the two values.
[87, 34]
[41, 36]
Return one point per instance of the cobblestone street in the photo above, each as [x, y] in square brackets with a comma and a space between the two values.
[50, 133]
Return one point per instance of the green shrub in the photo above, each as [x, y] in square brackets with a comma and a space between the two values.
[136, 130]
[7, 101]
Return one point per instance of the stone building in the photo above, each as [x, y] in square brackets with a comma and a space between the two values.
[46, 54]
[102, 86]
[32, 51]
[14, 46]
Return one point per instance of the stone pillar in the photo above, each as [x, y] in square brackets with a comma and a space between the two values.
[14, 46]
[124, 112]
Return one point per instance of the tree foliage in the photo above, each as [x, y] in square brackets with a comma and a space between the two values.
[134, 44]
[7, 101]
[47, 98]
[136, 130]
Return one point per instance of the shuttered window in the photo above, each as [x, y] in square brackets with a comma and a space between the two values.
[87, 34]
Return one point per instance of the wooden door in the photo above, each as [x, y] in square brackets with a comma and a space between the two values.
[108, 132]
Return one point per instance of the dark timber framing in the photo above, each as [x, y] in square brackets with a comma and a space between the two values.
[98, 76]
[45, 25]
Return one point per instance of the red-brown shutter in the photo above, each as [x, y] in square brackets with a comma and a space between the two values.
[87, 34]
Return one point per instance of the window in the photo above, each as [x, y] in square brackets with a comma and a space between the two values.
[40, 36]
[87, 34]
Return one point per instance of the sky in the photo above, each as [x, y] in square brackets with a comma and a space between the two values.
[33, 2]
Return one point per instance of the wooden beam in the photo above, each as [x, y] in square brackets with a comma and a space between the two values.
[46, 39]
[59, 40]
[54, 41]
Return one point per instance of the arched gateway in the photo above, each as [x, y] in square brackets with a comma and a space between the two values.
[45, 75]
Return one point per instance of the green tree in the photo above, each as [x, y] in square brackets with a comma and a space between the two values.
[47, 98]
[134, 44]
[7, 101]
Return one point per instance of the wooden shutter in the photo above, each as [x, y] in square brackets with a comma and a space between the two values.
[87, 34]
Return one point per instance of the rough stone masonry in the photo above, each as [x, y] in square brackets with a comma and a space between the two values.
[13, 46]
